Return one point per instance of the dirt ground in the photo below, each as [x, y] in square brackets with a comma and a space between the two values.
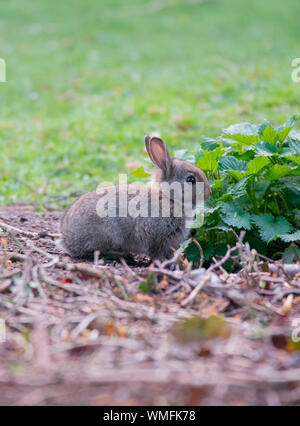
[109, 333]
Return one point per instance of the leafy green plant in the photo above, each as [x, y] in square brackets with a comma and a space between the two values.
[254, 171]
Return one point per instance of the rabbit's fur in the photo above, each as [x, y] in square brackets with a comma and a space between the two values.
[84, 232]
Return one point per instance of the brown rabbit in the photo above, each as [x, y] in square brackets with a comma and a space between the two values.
[85, 231]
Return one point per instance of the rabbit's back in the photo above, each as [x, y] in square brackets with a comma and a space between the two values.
[84, 231]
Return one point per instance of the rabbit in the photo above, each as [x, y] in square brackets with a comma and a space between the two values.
[84, 231]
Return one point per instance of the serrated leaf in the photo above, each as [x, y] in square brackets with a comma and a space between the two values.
[184, 154]
[234, 215]
[265, 148]
[291, 254]
[246, 133]
[257, 164]
[289, 238]
[284, 129]
[239, 189]
[262, 127]
[277, 171]
[267, 133]
[225, 198]
[209, 161]
[209, 144]
[294, 145]
[295, 171]
[140, 173]
[294, 159]
[271, 227]
[235, 174]
[246, 155]
[296, 216]
[232, 163]
[217, 184]
[260, 188]
[295, 134]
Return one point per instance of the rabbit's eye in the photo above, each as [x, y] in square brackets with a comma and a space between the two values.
[191, 179]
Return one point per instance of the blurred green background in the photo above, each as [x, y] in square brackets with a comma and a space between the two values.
[86, 80]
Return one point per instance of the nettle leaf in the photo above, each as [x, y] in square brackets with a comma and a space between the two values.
[293, 158]
[293, 196]
[217, 184]
[234, 215]
[293, 184]
[245, 163]
[295, 171]
[260, 188]
[267, 133]
[209, 144]
[246, 133]
[232, 163]
[184, 154]
[239, 189]
[209, 161]
[294, 134]
[265, 148]
[289, 238]
[296, 216]
[226, 142]
[271, 227]
[284, 129]
[235, 174]
[225, 198]
[277, 171]
[291, 254]
[140, 173]
[193, 254]
[294, 145]
[247, 155]
[257, 164]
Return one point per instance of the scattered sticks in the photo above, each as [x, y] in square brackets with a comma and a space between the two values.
[103, 310]
[28, 234]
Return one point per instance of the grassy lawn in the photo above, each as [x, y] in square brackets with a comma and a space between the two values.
[87, 80]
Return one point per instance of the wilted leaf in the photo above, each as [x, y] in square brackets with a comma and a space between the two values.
[200, 329]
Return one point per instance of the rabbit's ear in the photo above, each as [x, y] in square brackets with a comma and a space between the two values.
[147, 144]
[158, 153]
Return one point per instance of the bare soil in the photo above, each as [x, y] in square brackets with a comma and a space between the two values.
[84, 333]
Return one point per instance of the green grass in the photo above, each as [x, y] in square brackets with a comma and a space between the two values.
[86, 80]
